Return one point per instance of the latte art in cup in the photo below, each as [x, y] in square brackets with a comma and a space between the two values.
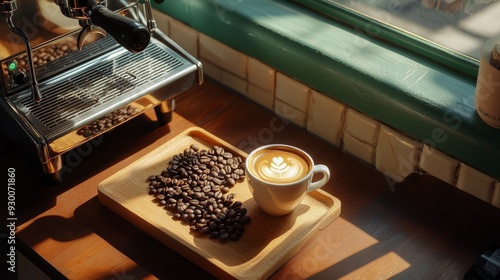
[280, 176]
[279, 166]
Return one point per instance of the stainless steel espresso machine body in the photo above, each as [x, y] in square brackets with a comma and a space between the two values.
[88, 67]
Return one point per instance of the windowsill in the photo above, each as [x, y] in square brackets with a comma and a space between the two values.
[401, 89]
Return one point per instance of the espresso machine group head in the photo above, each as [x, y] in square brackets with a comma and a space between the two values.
[94, 17]
[72, 86]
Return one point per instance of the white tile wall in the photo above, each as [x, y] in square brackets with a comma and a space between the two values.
[261, 75]
[225, 77]
[221, 55]
[397, 155]
[293, 92]
[162, 21]
[261, 96]
[363, 151]
[392, 153]
[360, 136]
[439, 165]
[185, 36]
[261, 83]
[476, 183]
[325, 117]
[291, 113]
[361, 127]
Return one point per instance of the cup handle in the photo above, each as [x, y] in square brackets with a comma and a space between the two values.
[319, 168]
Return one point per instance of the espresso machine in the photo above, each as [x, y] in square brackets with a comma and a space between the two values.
[75, 69]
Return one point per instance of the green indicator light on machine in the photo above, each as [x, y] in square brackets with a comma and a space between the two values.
[12, 66]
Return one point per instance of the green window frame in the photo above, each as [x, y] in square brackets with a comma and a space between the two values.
[373, 27]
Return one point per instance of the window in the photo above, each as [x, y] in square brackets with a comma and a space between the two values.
[449, 31]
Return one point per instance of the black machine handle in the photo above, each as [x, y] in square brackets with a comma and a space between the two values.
[129, 33]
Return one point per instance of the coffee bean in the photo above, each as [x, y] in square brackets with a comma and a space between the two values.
[237, 204]
[205, 230]
[196, 184]
[213, 225]
[231, 214]
[44, 55]
[108, 121]
[246, 219]
[221, 216]
[239, 226]
[218, 181]
[234, 237]
[195, 147]
[224, 236]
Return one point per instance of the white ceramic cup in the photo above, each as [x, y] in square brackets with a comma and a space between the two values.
[280, 176]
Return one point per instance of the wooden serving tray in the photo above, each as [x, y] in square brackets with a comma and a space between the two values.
[267, 243]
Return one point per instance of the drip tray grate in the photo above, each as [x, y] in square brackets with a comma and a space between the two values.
[101, 85]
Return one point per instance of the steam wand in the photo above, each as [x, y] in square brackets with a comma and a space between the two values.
[7, 8]
[151, 23]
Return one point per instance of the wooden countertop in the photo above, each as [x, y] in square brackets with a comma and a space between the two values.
[421, 228]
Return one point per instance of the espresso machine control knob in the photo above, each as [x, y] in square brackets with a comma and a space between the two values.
[19, 78]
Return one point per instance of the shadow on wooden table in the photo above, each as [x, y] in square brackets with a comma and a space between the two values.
[431, 228]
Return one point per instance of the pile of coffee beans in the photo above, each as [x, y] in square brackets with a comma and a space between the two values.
[50, 53]
[108, 121]
[44, 55]
[195, 186]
